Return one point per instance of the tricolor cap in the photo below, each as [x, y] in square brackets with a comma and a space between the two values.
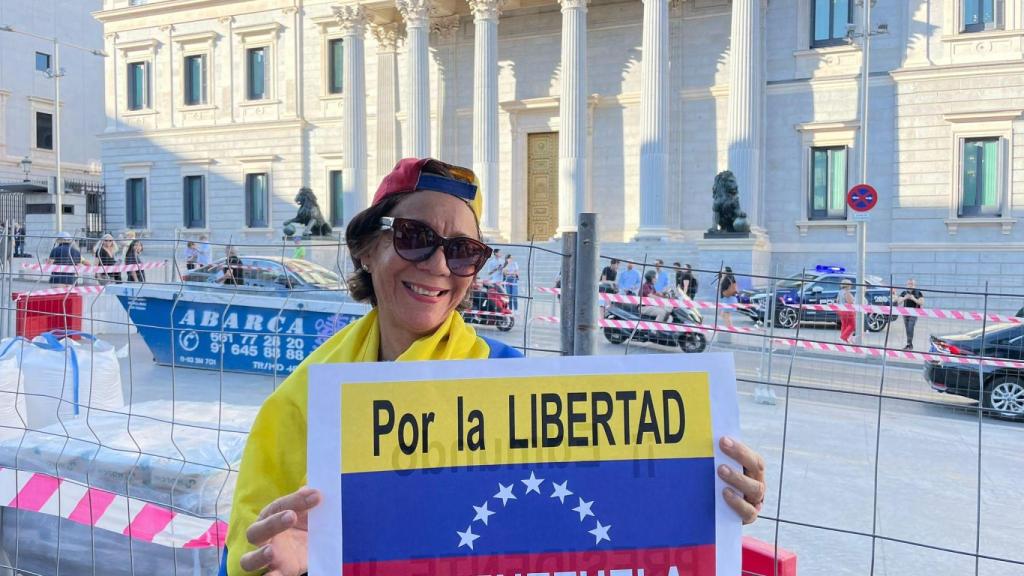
[408, 176]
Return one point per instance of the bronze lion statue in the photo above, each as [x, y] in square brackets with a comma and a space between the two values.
[309, 214]
[728, 215]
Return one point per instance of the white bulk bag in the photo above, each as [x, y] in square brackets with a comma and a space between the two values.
[61, 376]
[12, 399]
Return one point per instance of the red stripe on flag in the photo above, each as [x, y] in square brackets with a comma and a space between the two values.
[692, 561]
[91, 506]
[213, 538]
[149, 522]
[36, 493]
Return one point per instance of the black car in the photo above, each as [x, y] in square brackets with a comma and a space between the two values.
[820, 286]
[1003, 386]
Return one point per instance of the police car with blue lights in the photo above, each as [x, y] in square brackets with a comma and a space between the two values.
[820, 286]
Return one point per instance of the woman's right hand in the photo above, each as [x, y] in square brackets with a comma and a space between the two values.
[280, 534]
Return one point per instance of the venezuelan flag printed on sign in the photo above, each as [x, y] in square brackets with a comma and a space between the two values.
[527, 475]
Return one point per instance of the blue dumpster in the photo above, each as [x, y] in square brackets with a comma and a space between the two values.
[235, 330]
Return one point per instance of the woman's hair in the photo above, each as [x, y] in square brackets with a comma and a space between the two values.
[132, 245]
[363, 231]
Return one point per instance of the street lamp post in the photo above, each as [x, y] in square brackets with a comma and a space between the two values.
[26, 166]
[56, 73]
[862, 225]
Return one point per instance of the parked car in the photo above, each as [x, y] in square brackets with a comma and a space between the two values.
[270, 273]
[820, 286]
[1003, 386]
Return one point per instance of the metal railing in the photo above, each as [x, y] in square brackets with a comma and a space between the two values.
[871, 469]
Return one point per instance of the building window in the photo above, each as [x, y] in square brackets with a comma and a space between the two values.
[829, 19]
[135, 202]
[256, 73]
[257, 200]
[44, 130]
[195, 79]
[828, 183]
[981, 15]
[980, 167]
[42, 61]
[337, 198]
[335, 65]
[195, 202]
[138, 85]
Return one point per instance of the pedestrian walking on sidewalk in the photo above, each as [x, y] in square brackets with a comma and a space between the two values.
[727, 300]
[847, 318]
[910, 298]
[511, 272]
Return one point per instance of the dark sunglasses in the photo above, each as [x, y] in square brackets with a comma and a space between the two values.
[414, 241]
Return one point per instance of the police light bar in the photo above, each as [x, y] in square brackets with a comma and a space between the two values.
[834, 269]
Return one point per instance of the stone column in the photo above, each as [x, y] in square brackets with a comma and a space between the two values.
[746, 104]
[445, 145]
[485, 107]
[416, 14]
[572, 115]
[654, 121]
[352, 19]
[387, 97]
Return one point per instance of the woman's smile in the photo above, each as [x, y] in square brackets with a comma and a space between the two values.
[425, 294]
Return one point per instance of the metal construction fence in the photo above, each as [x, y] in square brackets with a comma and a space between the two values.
[119, 444]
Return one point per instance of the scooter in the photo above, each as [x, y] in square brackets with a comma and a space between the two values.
[690, 342]
[490, 307]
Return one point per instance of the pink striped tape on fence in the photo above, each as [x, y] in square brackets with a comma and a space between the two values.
[868, 309]
[89, 269]
[95, 289]
[654, 300]
[918, 312]
[660, 326]
[898, 354]
[137, 519]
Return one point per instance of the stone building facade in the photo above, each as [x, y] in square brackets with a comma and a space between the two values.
[28, 131]
[624, 107]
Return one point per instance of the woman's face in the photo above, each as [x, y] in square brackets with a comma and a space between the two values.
[417, 297]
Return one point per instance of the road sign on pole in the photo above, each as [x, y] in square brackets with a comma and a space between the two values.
[862, 198]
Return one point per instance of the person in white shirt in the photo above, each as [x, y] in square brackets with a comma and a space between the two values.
[495, 270]
[511, 272]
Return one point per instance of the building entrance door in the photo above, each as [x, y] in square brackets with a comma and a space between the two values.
[542, 185]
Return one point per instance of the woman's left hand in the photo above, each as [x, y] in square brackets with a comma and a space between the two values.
[746, 490]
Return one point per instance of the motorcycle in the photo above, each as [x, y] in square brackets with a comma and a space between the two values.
[490, 307]
[690, 342]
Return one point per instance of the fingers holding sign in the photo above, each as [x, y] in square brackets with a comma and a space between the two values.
[280, 534]
[747, 489]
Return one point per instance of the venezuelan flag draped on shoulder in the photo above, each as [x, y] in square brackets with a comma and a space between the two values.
[540, 466]
[275, 454]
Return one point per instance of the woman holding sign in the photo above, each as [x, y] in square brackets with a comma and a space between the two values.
[416, 250]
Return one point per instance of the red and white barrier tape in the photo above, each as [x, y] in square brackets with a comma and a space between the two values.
[137, 519]
[655, 300]
[898, 354]
[916, 312]
[485, 313]
[807, 344]
[93, 289]
[659, 326]
[867, 309]
[89, 269]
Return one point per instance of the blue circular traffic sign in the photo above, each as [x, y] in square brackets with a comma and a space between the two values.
[862, 198]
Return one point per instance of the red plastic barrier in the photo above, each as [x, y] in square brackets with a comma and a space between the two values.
[763, 559]
[43, 313]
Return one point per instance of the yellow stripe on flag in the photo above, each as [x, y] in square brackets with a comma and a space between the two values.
[480, 422]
